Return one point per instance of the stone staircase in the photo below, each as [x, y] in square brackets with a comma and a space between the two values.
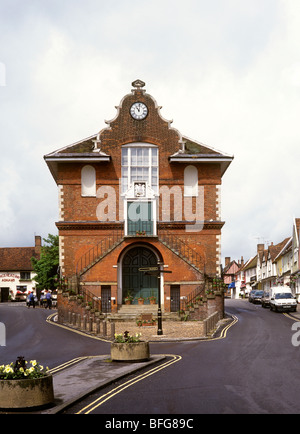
[132, 312]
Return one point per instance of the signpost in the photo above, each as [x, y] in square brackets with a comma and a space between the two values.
[155, 271]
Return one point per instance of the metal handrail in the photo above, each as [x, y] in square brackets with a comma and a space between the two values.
[182, 249]
[97, 252]
[91, 299]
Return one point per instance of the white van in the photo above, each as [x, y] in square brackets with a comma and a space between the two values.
[282, 299]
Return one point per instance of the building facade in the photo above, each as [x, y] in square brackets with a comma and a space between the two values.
[16, 271]
[139, 208]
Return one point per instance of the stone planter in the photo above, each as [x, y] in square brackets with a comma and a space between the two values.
[130, 352]
[27, 393]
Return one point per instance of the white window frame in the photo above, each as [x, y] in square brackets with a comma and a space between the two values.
[150, 166]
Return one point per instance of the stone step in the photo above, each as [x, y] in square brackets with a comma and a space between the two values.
[132, 312]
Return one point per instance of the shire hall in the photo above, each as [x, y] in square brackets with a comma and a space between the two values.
[140, 211]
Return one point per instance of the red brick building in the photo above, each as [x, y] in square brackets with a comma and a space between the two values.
[136, 195]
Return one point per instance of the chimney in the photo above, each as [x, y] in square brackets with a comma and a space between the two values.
[227, 261]
[260, 248]
[38, 245]
[242, 260]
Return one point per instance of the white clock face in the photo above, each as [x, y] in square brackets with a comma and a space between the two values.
[138, 111]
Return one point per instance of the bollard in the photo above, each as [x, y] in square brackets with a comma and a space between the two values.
[84, 322]
[74, 319]
[104, 328]
[112, 330]
[69, 317]
[79, 320]
[98, 326]
[90, 324]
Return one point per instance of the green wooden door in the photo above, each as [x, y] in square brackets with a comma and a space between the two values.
[136, 282]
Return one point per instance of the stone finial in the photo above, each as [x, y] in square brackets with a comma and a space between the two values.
[138, 84]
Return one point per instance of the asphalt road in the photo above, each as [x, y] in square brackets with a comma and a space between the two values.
[29, 335]
[253, 370]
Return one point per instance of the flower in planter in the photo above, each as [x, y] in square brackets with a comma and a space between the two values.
[21, 370]
[140, 300]
[152, 298]
[126, 338]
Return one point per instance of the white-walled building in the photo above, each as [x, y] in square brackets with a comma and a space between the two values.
[16, 271]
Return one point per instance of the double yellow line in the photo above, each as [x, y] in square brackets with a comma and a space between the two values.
[69, 363]
[104, 398]
[174, 359]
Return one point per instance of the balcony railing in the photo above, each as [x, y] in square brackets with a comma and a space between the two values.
[140, 228]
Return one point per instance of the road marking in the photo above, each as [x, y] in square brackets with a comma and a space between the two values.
[69, 363]
[291, 317]
[104, 398]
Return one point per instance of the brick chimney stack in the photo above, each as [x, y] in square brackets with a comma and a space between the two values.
[38, 245]
[227, 261]
[260, 248]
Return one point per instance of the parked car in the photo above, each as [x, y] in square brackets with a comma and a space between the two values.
[251, 293]
[265, 300]
[20, 295]
[282, 299]
[256, 297]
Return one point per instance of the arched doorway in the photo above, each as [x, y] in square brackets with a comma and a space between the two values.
[135, 282]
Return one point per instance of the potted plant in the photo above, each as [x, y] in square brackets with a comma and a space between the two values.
[25, 385]
[128, 299]
[152, 299]
[127, 348]
[141, 300]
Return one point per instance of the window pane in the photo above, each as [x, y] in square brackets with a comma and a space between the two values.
[146, 157]
[139, 157]
[133, 156]
[124, 157]
[154, 157]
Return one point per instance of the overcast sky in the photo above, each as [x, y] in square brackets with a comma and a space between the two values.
[227, 72]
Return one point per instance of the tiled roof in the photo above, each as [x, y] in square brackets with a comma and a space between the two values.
[17, 258]
[274, 250]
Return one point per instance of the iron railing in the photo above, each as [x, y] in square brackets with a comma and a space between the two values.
[105, 246]
[182, 249]
[91, 299]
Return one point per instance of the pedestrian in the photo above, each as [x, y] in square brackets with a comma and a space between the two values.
[48, 299]
[31, 300]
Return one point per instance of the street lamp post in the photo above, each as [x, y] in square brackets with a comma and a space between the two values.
[156, 271]
[159, 314]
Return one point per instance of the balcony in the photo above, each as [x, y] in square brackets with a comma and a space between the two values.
[140, 228]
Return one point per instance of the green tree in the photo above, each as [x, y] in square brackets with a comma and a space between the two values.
[47, 266]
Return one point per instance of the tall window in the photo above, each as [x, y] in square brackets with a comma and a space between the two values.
[88, 181]
[139, 163]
